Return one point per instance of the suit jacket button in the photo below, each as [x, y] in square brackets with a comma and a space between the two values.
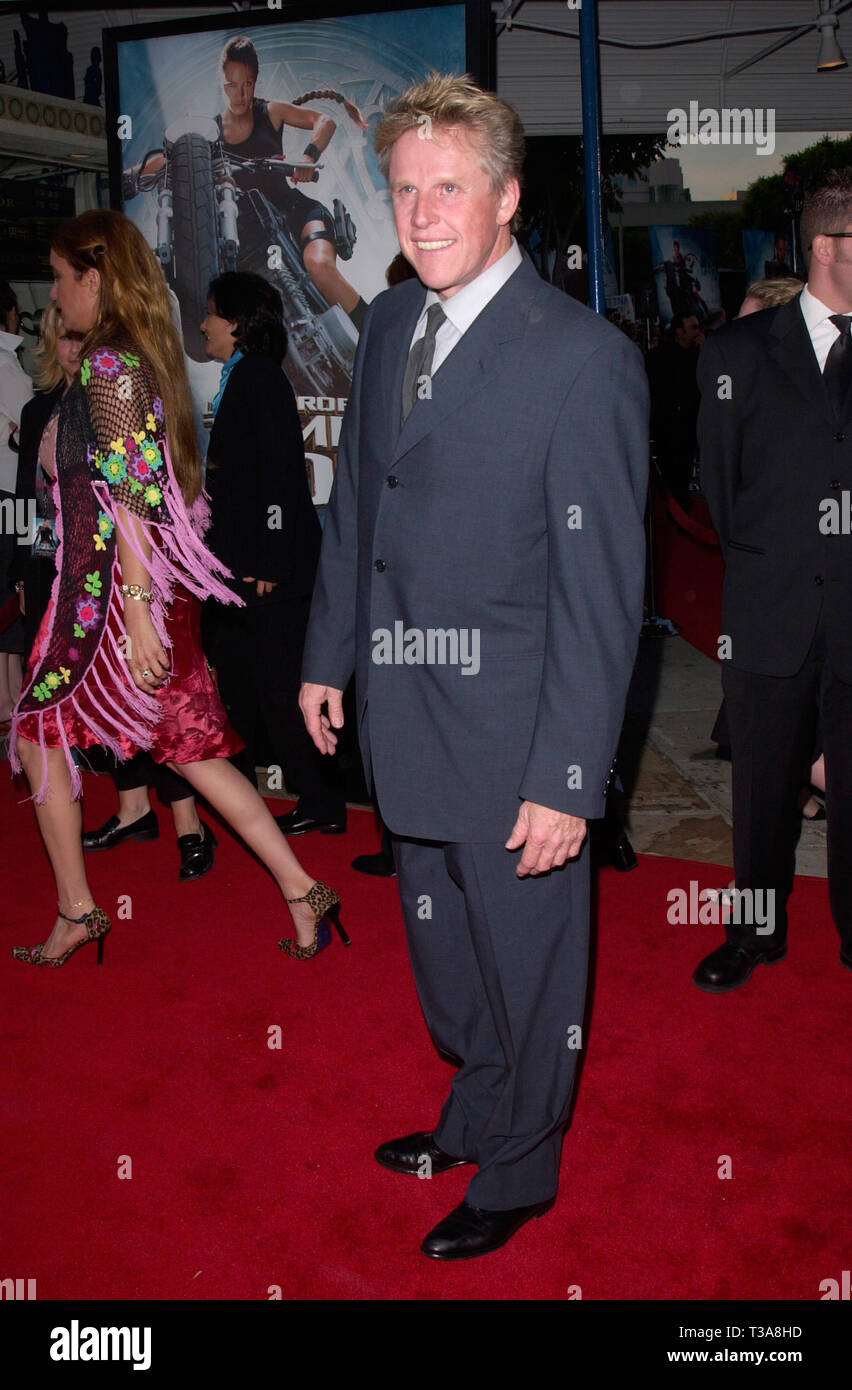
[392, 480]
[839, 438]
[818, 579]
[381, 566]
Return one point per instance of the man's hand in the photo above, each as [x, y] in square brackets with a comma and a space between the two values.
[320, 726]
[264, 586]
[550, 837]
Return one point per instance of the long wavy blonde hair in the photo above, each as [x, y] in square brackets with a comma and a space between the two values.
[133, 307]
[48, 373]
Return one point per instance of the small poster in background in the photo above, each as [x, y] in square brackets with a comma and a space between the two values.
[767, 255]
[685, 271]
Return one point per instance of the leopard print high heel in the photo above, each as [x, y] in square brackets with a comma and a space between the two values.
[97, 926]
[325, 905]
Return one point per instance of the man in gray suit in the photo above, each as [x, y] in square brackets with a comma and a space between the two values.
[481, 571]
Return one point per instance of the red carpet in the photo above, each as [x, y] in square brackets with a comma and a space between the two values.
[252, 1167]
[689, 576]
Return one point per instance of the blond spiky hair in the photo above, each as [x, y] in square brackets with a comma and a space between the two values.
[446, 99]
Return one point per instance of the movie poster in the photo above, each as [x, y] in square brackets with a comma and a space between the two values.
[685, 271]
[299, 199]
[767, 255]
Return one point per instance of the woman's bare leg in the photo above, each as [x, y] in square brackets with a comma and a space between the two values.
[10, 682]
[60, 823]
[242, 806]
[320, 259]
[133, 804]
[185, 816]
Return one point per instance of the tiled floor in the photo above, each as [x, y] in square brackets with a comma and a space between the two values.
[679, 791]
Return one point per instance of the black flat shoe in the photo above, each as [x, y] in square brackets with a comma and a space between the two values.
[470, 1231]
[111, 833]
[416, 1153]
[730, 966]
[196, 853]
[296, 822]
[379, 865]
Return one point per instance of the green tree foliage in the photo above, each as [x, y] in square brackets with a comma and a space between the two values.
[769, 202]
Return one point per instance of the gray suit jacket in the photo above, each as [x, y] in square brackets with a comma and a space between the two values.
[508, 512]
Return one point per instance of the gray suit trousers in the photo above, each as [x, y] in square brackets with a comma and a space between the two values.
[500, 965]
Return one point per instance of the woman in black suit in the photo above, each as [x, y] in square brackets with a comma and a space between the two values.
[266, 530]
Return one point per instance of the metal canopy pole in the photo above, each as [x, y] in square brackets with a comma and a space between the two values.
[590, 84]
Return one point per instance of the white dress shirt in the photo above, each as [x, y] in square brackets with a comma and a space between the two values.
[824, 333]
[15, 390]
[466, 304]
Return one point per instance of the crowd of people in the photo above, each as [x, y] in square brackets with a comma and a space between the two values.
[448, 511]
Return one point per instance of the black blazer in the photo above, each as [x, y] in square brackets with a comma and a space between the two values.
[773, 452]
[37, 573]
[256, 462]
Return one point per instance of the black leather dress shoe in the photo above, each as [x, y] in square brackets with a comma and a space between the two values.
[470, 1231]
[296, 822]
[409, 1155]
[730, 966]
[111, 833]
[380, 865]
[196, 853]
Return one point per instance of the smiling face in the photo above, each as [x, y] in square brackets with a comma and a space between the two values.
[219, 334]
[238, 85]
[451, 224]
[75, 296]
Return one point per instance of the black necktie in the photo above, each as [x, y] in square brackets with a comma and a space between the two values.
[837, 373]
[419, 364]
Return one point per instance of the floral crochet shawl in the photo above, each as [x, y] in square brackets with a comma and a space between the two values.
[111, 454]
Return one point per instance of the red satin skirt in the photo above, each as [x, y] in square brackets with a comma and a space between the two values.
[193, 724]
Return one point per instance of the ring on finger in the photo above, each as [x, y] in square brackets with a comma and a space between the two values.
[146, 674]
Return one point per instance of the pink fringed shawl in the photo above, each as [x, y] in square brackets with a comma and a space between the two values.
[111, 454]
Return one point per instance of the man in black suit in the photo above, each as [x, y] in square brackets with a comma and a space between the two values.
[775, 438]
[481, 569]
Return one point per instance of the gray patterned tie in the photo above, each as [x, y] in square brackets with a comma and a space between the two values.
[837, 373]
[419, 364]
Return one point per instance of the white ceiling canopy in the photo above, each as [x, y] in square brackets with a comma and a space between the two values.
[668, 53]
